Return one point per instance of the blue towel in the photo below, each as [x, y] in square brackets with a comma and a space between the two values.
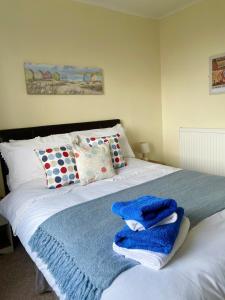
[147, 210]
[158, 239]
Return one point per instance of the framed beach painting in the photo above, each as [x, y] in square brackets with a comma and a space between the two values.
[217, 74]
[44, 79]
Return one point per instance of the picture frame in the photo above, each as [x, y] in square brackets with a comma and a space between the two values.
[217, 74]
[47, 79]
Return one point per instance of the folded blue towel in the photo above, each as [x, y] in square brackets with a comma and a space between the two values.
[147, 210]
[158, 239]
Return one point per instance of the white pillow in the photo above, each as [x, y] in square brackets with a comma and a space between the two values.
[93, 163]
[23, 142]
[56, 140]
[125, 146]
[52, 140]
[22, 161]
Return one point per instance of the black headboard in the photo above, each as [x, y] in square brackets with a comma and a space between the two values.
[31, 132]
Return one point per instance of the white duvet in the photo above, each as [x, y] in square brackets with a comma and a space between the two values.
[196, 272]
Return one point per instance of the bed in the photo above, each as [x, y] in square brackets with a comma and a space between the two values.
[196, 272]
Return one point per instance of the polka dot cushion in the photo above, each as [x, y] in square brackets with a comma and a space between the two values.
[59, 165]
[113, 140]
[94, 163]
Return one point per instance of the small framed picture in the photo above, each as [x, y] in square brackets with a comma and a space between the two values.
[217, 74]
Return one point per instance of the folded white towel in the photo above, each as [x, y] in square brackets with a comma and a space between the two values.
[136, 226]
[155, 260]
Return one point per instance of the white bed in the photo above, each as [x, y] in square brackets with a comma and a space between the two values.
[198, 269]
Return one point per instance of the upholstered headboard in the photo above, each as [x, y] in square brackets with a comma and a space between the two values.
[31, 132]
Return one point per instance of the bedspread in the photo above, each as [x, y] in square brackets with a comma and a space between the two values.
[194, 191]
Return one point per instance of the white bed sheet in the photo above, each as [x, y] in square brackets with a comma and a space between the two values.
[198, 268]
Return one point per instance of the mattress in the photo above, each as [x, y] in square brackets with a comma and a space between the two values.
[198, 274]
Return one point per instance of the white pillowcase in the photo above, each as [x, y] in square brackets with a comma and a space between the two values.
[56, 140]
[93, 163]
[28, 142]
[22, 161]
[125, 146]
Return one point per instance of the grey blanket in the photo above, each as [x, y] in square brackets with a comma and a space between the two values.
[76, 243]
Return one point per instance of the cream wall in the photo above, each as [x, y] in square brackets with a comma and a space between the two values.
[188, 39]
[65, 32]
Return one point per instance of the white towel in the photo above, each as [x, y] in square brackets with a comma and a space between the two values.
[136, 226]
[155, 260]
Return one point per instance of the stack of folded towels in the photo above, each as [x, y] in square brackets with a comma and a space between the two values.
[155, 229]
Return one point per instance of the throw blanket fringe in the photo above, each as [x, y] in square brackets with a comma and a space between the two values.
[70, 279]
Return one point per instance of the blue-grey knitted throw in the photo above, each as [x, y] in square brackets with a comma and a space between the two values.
[76, 243]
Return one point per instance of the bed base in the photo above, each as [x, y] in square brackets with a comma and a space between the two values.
[41, 284]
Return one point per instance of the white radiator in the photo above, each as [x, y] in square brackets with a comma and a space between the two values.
[203, 150]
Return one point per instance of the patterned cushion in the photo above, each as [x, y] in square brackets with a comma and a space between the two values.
[59, 165]
[113, 140]
[94, 163]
